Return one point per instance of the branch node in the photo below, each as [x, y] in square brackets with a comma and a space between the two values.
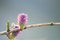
[51, 24]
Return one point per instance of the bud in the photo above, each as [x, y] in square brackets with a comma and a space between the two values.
[7, 26]
[15, 33]
[22, 20]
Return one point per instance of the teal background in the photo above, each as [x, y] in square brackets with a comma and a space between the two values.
[39, 11]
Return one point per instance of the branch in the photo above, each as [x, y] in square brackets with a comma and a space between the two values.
[30, 26]
[3, 33]
[42, 24]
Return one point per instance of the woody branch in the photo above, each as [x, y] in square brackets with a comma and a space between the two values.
[31, 26]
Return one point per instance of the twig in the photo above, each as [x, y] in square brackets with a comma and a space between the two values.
[3, 33]
[42, 24]
[33, 25]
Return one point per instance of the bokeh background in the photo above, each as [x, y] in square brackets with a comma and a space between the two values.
[39, 11]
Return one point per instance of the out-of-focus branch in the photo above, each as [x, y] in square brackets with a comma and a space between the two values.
[3, 33]
[43, 24]
[30, 26]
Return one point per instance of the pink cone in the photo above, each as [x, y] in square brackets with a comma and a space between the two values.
[22, 18]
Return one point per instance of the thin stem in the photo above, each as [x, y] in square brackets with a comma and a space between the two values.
[31, 26]
[3, 33]
[42, 24]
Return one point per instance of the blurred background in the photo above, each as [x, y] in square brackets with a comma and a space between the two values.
[39, 11]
